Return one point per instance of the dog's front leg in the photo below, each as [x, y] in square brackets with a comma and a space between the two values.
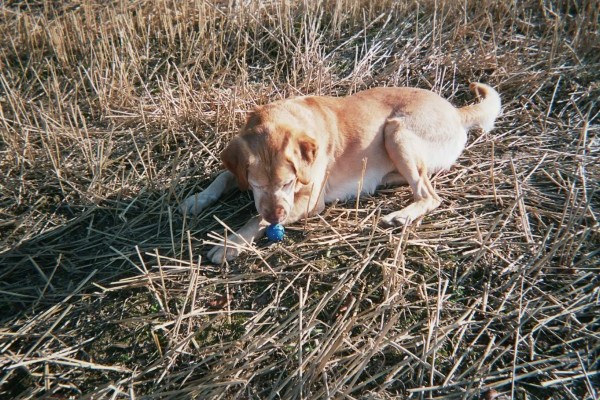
[238, 242]
[305, 203]
[198, 202]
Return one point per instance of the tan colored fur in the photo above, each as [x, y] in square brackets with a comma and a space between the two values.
[297, 154]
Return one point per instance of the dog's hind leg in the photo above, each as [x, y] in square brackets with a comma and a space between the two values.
[406, 150]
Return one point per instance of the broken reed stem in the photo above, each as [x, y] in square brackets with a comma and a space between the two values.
[360, 188]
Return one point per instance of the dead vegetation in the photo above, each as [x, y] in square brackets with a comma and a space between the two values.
[112, 112]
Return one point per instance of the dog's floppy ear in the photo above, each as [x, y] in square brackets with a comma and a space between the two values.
[307, 149]
[235, 158]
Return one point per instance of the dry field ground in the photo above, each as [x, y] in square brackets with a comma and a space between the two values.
[112, 112]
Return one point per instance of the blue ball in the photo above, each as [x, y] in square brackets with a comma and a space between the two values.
[275, 232]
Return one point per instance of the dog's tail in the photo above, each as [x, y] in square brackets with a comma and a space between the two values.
[484, 113]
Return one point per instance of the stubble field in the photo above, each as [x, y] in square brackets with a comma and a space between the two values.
[111, 113]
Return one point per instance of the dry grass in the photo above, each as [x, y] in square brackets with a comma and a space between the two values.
[111, 113]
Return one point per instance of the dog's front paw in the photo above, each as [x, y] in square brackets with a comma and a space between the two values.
[394, 220]
[220, 254]
[196, 203]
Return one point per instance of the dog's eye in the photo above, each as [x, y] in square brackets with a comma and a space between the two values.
[288, 184]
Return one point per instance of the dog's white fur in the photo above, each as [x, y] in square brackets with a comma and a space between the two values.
[300, 153]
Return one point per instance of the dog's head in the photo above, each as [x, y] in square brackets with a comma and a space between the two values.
[274, 160]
